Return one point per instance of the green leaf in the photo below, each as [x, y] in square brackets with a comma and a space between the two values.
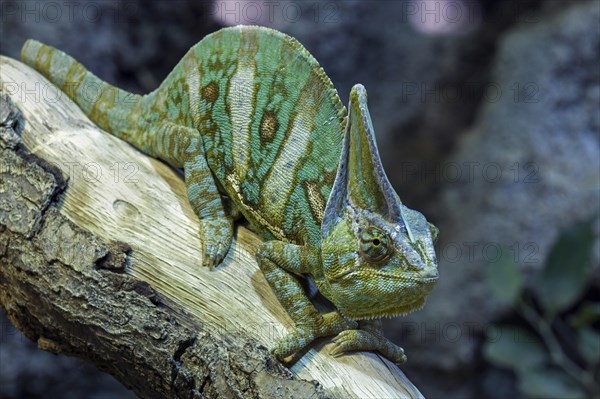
[505, 280]
[515, 348]
[565, 274]
[549, 383]
[588, 313]
[588, 342]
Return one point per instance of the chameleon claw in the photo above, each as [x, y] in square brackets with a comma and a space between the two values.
[214, 253]
[216, 235]
[336, 352]
[344, 342]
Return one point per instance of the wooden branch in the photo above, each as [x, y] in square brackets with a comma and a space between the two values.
[100, 259]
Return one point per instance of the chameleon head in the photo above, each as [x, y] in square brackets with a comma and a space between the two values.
[378, 255]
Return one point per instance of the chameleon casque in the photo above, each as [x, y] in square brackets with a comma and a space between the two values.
[260, 132]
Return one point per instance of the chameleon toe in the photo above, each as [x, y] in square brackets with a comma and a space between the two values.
[337, 351]
[216, 235]
[213, 255]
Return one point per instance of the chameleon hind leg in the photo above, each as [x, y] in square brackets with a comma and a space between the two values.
[369, 336]
[280, 262]
[182, 146]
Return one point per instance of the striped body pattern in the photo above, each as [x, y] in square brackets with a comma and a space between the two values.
[260, 132]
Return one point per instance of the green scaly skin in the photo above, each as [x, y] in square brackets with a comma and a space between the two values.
[260, 131]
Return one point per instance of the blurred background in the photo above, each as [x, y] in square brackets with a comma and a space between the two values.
[487, 115]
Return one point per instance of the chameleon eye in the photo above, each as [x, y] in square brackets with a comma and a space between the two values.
[375, 245]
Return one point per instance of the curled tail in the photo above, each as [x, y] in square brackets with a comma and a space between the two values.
[114, 110]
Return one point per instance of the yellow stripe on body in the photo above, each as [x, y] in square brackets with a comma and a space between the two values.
[281, 180]
[193, 82]
[241, 95]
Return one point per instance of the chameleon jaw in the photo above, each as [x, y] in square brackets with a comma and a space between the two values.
[381, 293]
[387, 313]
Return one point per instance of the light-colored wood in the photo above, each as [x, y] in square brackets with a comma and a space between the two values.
[119, 194]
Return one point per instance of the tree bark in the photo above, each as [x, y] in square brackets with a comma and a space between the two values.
[100, 259]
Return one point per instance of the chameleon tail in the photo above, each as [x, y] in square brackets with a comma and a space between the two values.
[114, 110]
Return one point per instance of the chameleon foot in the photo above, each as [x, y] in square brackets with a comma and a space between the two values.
[303, 334]
[354, 340]
[216, 235]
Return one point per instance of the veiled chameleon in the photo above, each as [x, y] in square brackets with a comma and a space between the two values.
[260, 131]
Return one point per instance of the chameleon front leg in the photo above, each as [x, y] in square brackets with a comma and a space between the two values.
[216, 227]
[369, 336]
[182, 146]
[280, 263]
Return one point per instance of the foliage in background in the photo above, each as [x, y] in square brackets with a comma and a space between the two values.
[556, 355]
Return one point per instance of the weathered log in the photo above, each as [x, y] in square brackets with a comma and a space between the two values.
[100, 259]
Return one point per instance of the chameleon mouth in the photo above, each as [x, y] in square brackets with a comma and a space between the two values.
[392, 276]
[388, 313]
